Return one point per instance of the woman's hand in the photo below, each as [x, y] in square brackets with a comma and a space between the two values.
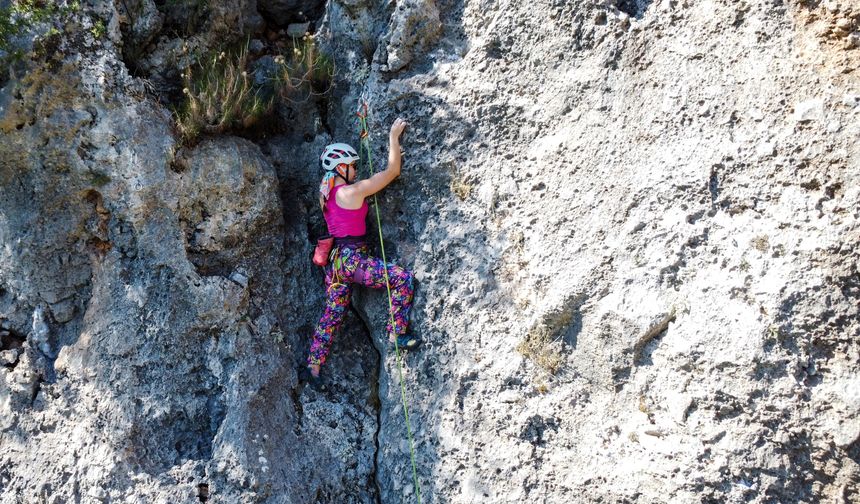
[365, 188]
[396, 130]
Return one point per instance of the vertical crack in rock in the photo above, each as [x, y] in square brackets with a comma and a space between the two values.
[11, 346]
[714, 183]
[203, 492]
[376, 402]
[37, 386]
[640, 355]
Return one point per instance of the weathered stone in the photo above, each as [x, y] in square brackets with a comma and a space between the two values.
[256, 46]
[633, 276]
[297, 30]
[286, 11]
[9, 357]
[809, 110]
[415, 26]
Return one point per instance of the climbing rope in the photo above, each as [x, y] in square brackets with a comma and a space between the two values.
[364, 134]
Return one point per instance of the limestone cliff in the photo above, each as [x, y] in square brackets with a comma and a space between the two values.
[633, 224]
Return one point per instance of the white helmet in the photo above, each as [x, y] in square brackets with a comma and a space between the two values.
[337, 153]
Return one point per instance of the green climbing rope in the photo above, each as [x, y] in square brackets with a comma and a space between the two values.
[365, 143]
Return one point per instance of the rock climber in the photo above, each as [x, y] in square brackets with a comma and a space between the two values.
[342, 200]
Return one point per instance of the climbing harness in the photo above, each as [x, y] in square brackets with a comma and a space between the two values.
[336, 257]
[364, 135]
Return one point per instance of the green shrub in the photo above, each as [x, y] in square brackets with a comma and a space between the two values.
[220, 93]
[98, 29]
[21, 17]
[303, 72]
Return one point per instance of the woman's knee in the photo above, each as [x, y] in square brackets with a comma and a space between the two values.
[337, 290]
[338, 296]
[405, 277]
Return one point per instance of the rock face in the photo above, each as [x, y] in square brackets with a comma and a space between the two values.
[633, 226]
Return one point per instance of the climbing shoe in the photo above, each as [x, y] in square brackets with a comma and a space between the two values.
[407, 342]
[305, 376]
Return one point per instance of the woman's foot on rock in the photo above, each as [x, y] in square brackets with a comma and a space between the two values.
[407, 342]
[308, 374]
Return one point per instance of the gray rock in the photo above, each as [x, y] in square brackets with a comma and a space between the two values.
[508, 396]
[40, 333]
[285, 11]
[239, 278]
[297, 30]
[415, 26]
[602, 273]
[256, 46]
[64, 311]
[264, 70]
[143, 22]
[809, 110]
[98, 493]
[9, 357]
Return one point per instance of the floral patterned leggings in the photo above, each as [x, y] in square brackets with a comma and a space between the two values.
[357, 266]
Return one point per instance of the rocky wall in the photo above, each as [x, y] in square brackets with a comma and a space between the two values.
[633, 227]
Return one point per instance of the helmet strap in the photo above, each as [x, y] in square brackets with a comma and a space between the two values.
[345, 176]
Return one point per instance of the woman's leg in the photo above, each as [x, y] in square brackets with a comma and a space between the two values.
[337, 300]
[370, 272]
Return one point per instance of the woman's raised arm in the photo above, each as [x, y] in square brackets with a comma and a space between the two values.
[378, 181]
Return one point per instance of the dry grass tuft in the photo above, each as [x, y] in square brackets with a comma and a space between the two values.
[541, 346]
[221, 94]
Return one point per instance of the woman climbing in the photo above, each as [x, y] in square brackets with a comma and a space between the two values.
[342, 201]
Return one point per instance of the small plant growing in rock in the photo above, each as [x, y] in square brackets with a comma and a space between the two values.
[98, 29]
[544, 343]
[99, 178]
[219, 95]
[8, 27]
[368, 42]
[23, 16]
[760, 243]
[461, 188]
[360, 74]
[303, 72]
[23, 19]
[541, 345]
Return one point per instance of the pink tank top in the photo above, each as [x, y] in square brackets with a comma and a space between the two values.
[343, 221]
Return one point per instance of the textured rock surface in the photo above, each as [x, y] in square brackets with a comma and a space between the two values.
[634, 227]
